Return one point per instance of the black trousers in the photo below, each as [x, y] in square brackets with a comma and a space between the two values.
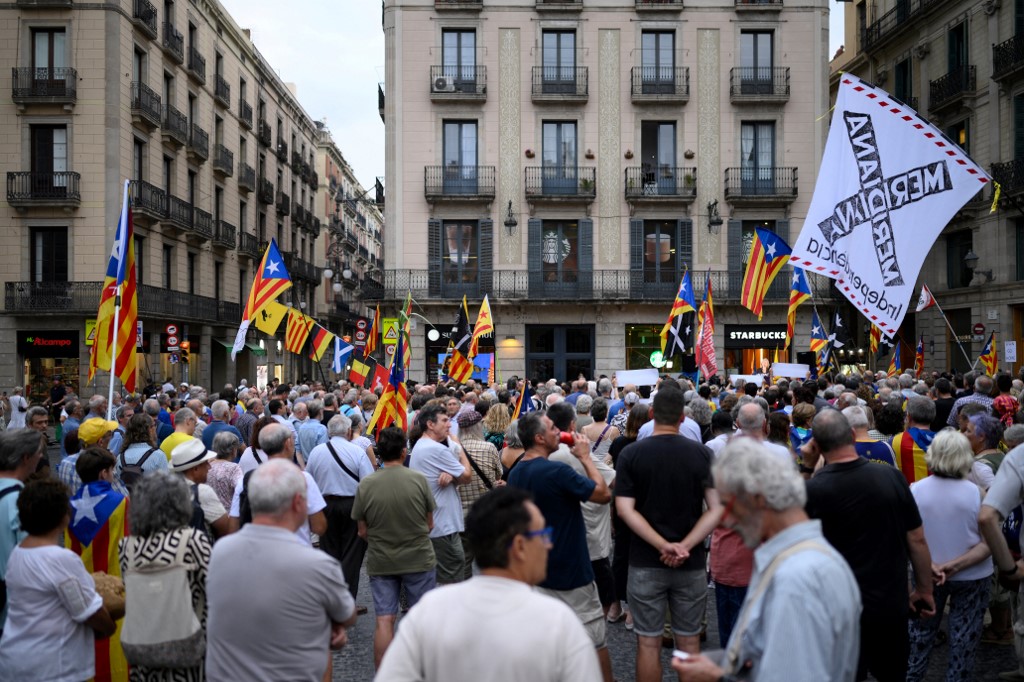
[342, 539]
[884, 646]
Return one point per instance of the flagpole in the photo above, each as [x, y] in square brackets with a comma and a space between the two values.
[955, 337]
[117, 309]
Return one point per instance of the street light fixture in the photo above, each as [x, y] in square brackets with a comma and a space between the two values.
[510, 220]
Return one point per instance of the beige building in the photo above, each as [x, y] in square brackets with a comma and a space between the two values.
[961, 65]
[221, 155]
[570, 158]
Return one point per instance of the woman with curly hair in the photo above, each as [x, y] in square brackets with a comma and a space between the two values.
[140, 441]
[495, 422]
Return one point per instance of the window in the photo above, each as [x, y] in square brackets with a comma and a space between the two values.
[168, 174]
[559, 157]
[559, 62]
[218, 276]
[218, 130]
[757, 157]
[460, 157]
[559, 251]
[138, 159]
[168, 89]
[756, 62]
[658, 156]
[958, 133]
[666, 246]
[243, 216]
[193, 111]
[262, 235]
[49, 47]
[242, 279]
[458, 58]
[140, 257]
[658, 60]
[748, 236]
[49, 160]
[956, 42]
[49, 254]
[903, 83]
[168, 265]
[242, 90]
[958, 275]
[641, 341]
[460, 251]
[218, 203]
[190, 273]
[560, 352]
[1018, 126]
[139, 66]
[193, 179]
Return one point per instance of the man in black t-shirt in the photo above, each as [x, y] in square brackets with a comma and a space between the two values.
[869, 515]
[661, 485]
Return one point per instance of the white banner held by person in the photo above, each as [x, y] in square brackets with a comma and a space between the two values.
[889, 182]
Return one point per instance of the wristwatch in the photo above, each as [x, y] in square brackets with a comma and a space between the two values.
[1009, 572]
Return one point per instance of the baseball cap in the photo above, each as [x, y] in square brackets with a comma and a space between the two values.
[190, 454]
[93, 429]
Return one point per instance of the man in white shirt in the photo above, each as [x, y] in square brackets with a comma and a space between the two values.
[751, 421]
[439, 639]
[338, 466]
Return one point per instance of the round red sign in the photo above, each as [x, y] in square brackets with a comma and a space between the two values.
[361, 324]
[979, 328]
[171, 329]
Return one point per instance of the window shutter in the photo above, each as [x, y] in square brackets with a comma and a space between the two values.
[735, 246]
[533, 264]
[684, 238]
[586, 260]
[636, 258]
[434, 257]
[486, 270]
[780, 286]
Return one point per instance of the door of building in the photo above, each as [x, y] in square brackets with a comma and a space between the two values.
[560, 352]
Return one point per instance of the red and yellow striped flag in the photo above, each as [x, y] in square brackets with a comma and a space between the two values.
[768, 253]
[297, 331]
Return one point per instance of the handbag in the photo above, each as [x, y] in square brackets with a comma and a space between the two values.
[160, 627]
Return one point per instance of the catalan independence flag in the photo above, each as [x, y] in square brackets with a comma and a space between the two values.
[393, 406]
[271, 280]
[990, 356]
[373, 336]
[768, 253]
[459, 367]
[297, 331]
[99, 521]
[121, 293]
[525, 402]
[799, 291]
[876, 336]
[919, 357]
[819, 339]
[684, 307]
[895, 364]
[320, 341]
[484, 325]
[404, 332]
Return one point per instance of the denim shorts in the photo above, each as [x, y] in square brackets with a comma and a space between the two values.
[653, 591]
[386, 589]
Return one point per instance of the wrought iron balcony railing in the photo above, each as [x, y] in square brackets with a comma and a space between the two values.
[561, 182]
[1010, 175]
[45, 85]
[952, 87]
[283, 203]
[660, 83]
[662, 183]
[179, 212]
[895, 21]
[759, 83]
[458, 82]
[296, 161]
[223, 234]
[202, 223]
[196, 65]
[148, 200]
[144, 16]
[458, 182]
[145, 105]
[263, 134]
[199, 143]
[282, 150]
[1007, 57]
[758, 4]
[246, 177]
[248, 245]
[221, 90]
[245, 114]
[298, 214]
[223, 160]
[760, 184]
[175, 126]
[265, 191]
[174, 43]
[666, 5]
[26, 189]
[560, 83]
[557, 5]
[314, 179]
[471, 5]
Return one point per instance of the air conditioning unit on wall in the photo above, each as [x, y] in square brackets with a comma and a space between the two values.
[444, 84]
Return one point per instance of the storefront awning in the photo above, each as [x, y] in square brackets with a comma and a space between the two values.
[255, 349]
[227, 344]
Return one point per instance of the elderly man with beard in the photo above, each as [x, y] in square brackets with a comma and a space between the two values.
[802, 590]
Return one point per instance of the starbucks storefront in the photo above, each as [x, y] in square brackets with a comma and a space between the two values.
[747, 344]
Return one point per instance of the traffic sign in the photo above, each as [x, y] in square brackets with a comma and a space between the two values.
[978, 328]
[360, 336]
[172, 341]
[174, 358]
[171, 330]
[362, 323]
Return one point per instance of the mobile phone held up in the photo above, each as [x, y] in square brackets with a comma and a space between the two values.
[680, 654]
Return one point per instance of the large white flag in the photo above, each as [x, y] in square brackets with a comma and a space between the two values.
[889, 182]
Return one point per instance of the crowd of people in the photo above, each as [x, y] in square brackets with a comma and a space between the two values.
[222, 536]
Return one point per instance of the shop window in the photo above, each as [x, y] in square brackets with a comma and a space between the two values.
[641, 341]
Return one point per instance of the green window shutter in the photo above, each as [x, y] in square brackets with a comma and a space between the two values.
[586, 260]
[684, 239]
[636, 258]
[434, 257]
[735, 255]
[533, 263]
[486, 270]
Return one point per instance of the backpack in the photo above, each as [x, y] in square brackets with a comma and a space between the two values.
[131, 473]
[198, 520]
[244, 512]
[160, 626]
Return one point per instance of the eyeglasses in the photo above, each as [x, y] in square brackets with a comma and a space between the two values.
[544, 534]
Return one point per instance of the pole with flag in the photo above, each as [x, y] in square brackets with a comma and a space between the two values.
[799, 291]
[705, 351]
[927, 300]
[919, 357]
[458, 365]
[990, 356]
[392, 408]
[117, 318]
[271, 280]
[484, 325]
[819, 340]
[896, 364]
[373, 337]
[525, 402]
[768, 253]
[680, 319]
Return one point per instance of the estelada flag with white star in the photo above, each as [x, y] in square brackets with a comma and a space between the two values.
[484, 325]
[889, 182]
[271, 281]
[680, 319]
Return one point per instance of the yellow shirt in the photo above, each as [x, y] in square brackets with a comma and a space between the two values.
[172, 441]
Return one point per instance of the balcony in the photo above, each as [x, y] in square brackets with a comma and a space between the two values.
[749, 84]
[351, 242]
[561, 183]
[223, 161]
[221, 91]
[179, 213]
[44, 86]
[1010, 175]
[767, 186]
[244, 114]
[1008, 58]
[175, 129]
[314, 179]
[196, 65]
[559, 84]
[458, 183]
[660, 84]
[380, 101]
[296, 161]
[145, 107]
[659, 5]
[559, 5]
[462, 5]
[248, 246]
[265, 191]
[314, 227]
[246, 177]
[893, 22]
[173, 43]
[202, 225]
[198, 144]
[282, 151]
[951, 89]
[223, 234]
[662, 185]
[144, 17]
[298, 215]
[63, 298]
[55, 189]
[263, 135]
[758, 5]
[458, 83]
[149, 202]
[283, 203]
